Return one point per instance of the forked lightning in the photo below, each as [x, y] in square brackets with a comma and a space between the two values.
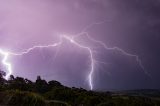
[72, 39]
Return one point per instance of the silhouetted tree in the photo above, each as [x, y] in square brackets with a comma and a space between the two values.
[11, 77]
[2, 80]
[41, 85]
[17, 83]
[29, 85]
[53, 83]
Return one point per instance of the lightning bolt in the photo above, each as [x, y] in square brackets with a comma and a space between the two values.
[72, 41]
[116, 49]
[7, 64]
[7, 54]
[84, 32]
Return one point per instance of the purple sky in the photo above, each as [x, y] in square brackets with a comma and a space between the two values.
[132, 25]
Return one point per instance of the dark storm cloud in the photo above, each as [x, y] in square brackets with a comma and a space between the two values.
[137, 30]
[132, 25]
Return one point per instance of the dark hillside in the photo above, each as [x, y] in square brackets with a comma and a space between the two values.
[23, 92]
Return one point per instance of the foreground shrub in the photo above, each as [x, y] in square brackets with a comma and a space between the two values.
[19, 98]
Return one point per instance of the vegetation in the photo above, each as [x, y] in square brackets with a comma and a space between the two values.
[23, 92]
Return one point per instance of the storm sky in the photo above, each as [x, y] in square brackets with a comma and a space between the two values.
[132, 25]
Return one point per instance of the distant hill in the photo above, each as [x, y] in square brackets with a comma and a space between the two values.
[141, 92]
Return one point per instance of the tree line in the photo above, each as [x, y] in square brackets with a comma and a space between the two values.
[18, 91]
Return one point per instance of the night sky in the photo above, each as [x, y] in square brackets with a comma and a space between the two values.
[132, 25]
